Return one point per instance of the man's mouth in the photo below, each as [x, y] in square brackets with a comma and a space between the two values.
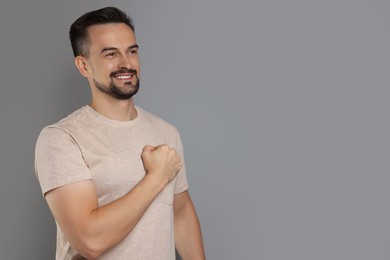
[124, 77]
[124, 74]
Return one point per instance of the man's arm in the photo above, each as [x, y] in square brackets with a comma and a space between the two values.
[92, 230]
[188, 236]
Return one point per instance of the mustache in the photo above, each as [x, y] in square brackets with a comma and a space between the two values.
[122, 71]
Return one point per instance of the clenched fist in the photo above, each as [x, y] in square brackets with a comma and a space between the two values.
[161, 161]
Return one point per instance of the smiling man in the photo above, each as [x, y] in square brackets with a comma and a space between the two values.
[113, 174]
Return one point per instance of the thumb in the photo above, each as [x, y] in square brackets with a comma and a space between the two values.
[148, 148]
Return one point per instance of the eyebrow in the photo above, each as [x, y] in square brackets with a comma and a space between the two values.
[134, 46]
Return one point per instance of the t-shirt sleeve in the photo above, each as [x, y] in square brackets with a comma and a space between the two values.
[181, 183]
[58, 160]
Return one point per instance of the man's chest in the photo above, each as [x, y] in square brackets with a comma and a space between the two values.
[115, 162]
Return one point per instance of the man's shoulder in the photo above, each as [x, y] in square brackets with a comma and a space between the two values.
[72, 118]
[156, 121]
[66, 124]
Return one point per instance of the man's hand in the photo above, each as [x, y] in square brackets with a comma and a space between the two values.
[161, 161]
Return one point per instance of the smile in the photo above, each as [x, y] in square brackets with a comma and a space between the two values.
[124, 76]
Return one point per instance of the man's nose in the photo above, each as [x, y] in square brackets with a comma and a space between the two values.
[125, 62]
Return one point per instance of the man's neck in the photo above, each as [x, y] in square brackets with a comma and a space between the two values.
[120, 110]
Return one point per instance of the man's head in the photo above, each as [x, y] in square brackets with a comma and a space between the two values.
[78, 32]
[106, 52]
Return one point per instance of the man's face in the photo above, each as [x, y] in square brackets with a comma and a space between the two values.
[113, 59]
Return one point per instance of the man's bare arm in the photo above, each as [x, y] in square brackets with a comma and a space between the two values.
[92, 230]
[188, 236]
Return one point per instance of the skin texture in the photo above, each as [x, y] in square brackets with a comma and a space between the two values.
[92, 230]
[188, 237]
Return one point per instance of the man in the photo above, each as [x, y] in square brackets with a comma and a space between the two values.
[113, 174]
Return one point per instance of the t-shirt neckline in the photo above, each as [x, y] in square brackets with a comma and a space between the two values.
[113, 122]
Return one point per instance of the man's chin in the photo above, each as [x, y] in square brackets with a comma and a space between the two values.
[125, 95]
[123, 91]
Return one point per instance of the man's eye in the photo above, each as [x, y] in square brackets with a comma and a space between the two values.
[110, 54]
[134, 51]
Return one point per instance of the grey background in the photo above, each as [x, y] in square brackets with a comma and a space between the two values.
[282, 107]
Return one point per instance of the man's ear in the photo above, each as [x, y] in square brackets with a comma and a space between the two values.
[82, 65]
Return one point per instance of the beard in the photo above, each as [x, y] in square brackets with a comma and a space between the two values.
[121, 93]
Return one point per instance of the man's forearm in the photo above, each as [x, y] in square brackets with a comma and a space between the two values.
[114, 221]
[188, 236]
[92, 231]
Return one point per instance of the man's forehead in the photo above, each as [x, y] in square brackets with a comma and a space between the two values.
[102, 34]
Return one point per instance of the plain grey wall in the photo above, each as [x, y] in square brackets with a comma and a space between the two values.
[282, 107]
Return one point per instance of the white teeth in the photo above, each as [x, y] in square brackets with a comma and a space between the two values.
[123, 77]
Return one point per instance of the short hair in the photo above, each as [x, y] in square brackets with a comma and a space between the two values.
[78, 32]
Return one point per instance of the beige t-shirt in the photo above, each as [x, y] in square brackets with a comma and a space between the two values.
[85, 145]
